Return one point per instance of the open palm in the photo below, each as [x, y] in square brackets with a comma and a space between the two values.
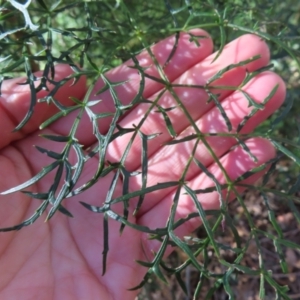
[62, 259]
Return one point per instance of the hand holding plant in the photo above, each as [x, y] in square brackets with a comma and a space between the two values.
[189, 146]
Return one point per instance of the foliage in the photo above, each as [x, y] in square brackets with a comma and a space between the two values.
[40, 34]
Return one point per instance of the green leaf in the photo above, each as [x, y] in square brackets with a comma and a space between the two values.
[289, 101]
[168, 122]
[33, 98]
[143, 282]
[185, 139]
[202, 215]
[50, 153]
[145, 263]
[144, 162]
[105, 243]
[158, 273]
[220, 108]
[222, 32]
[40, 196]
[30, 220]
[287, 152]
[94, 66]
[64, 211]
[262, 291]
[147, 190]
[57, 116]
[181, 282]
[33, 180]
[56, 138]
[226, 282]
[252, 101]
[220, 73]
[79, 165]
[288, 244]
[173, 51]
[279, 251]
[256, 108]
[212, 177]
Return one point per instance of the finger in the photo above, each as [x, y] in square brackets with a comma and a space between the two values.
[236, 163]
[193, 99]
[15, 102]
[115, 151]
[170, 161]
[31, 154]
[186, 55]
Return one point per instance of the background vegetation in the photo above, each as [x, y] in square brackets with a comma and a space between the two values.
[259, 253]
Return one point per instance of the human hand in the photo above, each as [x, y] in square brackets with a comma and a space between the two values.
[61, 259]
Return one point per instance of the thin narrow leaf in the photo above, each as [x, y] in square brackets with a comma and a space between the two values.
[174, 48]
[288, 244]
[212, 177]
[145, 263]
[291, 203]
[144, 163]
[279, 252]
[125, 189]
[220, 73]
[198, 287]
[158, 273]
[30, 220]
[50, 153]
[220, 108]
[143, 282]
[33, 98]
[58, 116]
[287, 152]
[168, 122]
[64, 211]
[185, 139]
[272, 216]
[147, 190]
[231, 225]
[255, 109]
[181, 282]
[251, 102]
[262, 287]
[222, 33]
[203, 218]
[94, 66]
[105, 244]
[56, 138]
[289, 101]
[226, 283]
[40, 196]
[34, 179]
[246, 149]
[79, 165]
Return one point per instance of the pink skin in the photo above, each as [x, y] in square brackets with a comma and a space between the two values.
[62, 259]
